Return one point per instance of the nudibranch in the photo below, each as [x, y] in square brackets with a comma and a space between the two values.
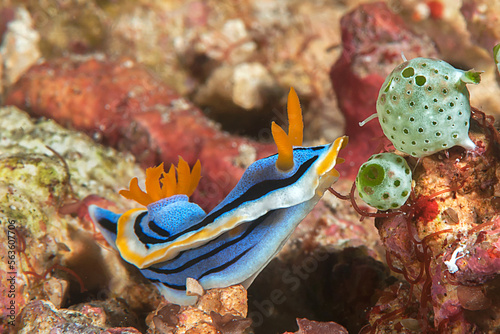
[173, 239]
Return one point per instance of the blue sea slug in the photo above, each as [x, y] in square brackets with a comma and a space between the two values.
[172, 239]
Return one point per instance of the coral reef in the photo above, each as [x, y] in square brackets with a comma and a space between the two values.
[60, 259]
[444, 244]
[45, 170]
[186, 43]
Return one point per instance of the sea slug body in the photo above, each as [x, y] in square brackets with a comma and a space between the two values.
[173, 239]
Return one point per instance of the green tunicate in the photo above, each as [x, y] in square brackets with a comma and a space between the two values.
[384, 181]
[496, 56]
[428, 109]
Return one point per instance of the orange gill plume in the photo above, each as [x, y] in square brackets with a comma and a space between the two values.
[159, 184]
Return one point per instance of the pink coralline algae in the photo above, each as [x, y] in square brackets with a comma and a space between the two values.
[125, 106]
[373, 39]
[483, 259]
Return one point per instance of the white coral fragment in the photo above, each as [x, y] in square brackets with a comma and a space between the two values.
[452, 262]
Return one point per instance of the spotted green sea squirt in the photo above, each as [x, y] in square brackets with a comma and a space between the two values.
[384, 181]
[423, 106]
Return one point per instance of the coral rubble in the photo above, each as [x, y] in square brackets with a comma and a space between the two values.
[217, 311]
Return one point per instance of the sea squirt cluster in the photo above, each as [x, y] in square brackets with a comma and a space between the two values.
[423, 107]
[443, 240]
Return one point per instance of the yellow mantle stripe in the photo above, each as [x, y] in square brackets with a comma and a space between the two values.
[329, 160]
[131, 247]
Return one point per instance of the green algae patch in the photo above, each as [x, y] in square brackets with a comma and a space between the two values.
[44, 167]
[20, 206]
[37, 174]
[28, 163]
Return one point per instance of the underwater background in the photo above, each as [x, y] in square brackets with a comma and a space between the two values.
[92, 93]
